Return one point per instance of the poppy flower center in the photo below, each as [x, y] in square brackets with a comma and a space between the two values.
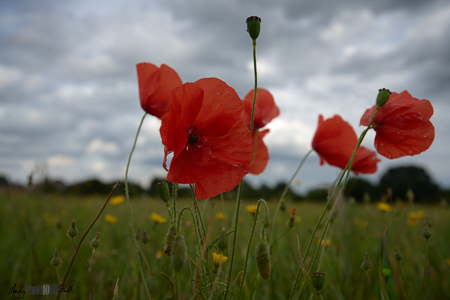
[195, 139]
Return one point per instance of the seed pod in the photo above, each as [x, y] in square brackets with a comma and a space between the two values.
[178, 252]
[168, 239]
[263, 260]
[367, 264]
[73, 231]
[383, 96]
[253, 26]
[95, 242]
[56, 260]
[318, 280]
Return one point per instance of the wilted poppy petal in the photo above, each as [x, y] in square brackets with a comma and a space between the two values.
[155, 86]
[265, 108]
[365, 161]
[334, 141]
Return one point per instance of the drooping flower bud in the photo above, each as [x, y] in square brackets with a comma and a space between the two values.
[263, 260]
[223, 243]
[398, 255]
[163, 190]
[253, 27]
[292, 218]
[366, 265]
[73, 231]
[178, 252]
[168, 239]
[95, 242]
[318, 280]
[383, 96]
[56, 260]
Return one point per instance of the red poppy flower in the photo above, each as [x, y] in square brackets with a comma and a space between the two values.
[261, 155]
[265, 111]
[402, 125]
[334, 141]
[365, 161]
[211, 145]
[265, 108]
[155, 86]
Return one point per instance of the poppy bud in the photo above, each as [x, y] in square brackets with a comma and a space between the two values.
[178, 252]
[95, 242]
[163, 190]
[263, 260]
[427, 233]
[56, 260]
[318, 280]
[398, 255]
[366, 265]
[383, 96]
[223, 243]
[145, 238]
[168, 239]
[73, 231]
[253, 27]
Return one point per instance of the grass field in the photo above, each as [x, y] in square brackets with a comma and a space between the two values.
[32, 226]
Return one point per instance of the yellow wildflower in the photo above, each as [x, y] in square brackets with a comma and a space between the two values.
[158, 219]
[252, 209]
[360, 222]
[297, 219]
[218, 259]
[220, 216]
[326, 242]
[159, 254]
[116, 200]
[110, 219]
[447, 261]
[384, 207]
[420, 214]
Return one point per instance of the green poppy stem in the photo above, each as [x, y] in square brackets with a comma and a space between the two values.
[130, 213]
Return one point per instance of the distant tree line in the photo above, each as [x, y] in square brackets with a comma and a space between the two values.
[397, 183]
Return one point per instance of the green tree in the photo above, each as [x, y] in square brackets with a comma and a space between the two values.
[400, 179]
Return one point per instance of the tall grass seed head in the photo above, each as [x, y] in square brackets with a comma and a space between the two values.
[163, 190]
[383, 96]
[263, 260]
[253, 27]
[397, 254]
[95, 242]
[56, 260]
[73, 231]
[367, 264]
[169, 239]
[178, 252]
[318, 280]
[223, 242]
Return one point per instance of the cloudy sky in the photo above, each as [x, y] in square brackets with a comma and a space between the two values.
[68, 88]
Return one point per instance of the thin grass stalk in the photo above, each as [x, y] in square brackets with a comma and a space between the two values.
[255, 219]
[130, 212]
[85, 234]
[285, 191]
[424, 272]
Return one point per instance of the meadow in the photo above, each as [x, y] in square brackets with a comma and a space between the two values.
[32, 226]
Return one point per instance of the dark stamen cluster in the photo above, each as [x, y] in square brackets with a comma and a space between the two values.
[195, 139]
